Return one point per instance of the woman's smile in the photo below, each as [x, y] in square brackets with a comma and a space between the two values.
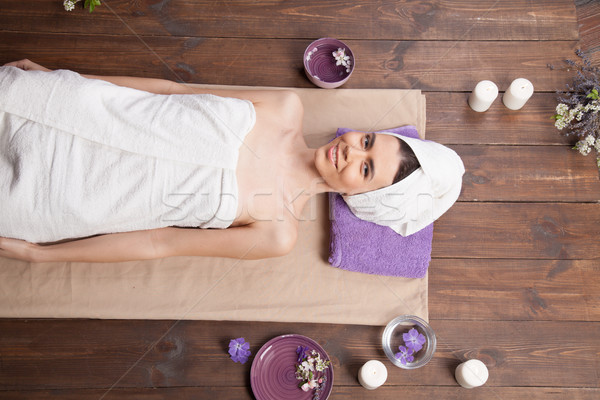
[333, 154]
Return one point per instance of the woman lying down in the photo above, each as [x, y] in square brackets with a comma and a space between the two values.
[130, 168]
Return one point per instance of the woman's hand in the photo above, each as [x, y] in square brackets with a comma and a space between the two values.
[27, 65]
[19, 249]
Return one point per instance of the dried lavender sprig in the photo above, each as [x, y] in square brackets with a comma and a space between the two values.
[586, 80]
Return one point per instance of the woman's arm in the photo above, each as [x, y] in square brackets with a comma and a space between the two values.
[163, 86]
[253, 241]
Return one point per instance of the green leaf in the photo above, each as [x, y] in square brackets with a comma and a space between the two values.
[593, 95]
[91, 4]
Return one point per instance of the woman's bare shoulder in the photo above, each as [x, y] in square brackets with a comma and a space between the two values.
[285, 104]
[278, 99]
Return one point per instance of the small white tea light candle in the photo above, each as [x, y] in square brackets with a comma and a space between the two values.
[471, 374]
[518, 93]
[372, 375]
[483, 96]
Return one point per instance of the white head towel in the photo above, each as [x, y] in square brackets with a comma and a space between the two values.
[420, 198]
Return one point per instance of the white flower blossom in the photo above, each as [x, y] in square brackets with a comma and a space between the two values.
[589, 140]
[341, 58]
[572, 114]
[69, 5]
[583, 147]
[306, 366]
[562, 109]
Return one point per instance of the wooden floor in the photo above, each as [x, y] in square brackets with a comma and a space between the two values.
[515, 275]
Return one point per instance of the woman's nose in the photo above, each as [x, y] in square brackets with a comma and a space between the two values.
[352, 152]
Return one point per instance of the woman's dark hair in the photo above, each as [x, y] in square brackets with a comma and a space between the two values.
[408, 164]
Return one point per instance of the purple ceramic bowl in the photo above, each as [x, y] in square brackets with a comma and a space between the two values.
[273, 372]
[320, 64]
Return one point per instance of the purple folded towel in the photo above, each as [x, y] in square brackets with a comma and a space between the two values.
[362, 246]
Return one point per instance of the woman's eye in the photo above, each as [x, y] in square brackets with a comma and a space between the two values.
[365, 170]
[366, 142]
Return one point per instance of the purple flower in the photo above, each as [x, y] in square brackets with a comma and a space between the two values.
[239, 350]
[301, 351]
[405, 355]
[414, 340]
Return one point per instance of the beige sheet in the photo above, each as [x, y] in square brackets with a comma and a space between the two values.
[300, 287]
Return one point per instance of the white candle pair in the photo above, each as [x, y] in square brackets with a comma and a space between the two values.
[514, 98]
[470, 374]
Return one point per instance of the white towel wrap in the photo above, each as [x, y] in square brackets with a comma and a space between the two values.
[81, 156]
[419, 199]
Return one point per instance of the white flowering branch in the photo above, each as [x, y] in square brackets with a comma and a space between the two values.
[578, 109]
[90, 4]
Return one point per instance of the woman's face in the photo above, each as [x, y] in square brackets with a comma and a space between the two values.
[358, 162]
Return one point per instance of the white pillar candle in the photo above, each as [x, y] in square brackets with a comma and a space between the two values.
[471, 374]
[517, 94]
[372, 375]
[483, 96]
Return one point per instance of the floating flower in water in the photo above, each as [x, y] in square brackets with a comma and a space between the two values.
[310, 53]
[414, 340]
[342, 59]
[239, 350]
[405, 355]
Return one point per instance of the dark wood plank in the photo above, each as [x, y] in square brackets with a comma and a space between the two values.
[426, 65]
[559, 231]
[386, 392]
[528, 173]
[103, 354]
[508, 289]
[450, 120]
[517, 352]
[588, 18]
[365, 19]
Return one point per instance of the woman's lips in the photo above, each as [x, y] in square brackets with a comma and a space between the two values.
[332, 154]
